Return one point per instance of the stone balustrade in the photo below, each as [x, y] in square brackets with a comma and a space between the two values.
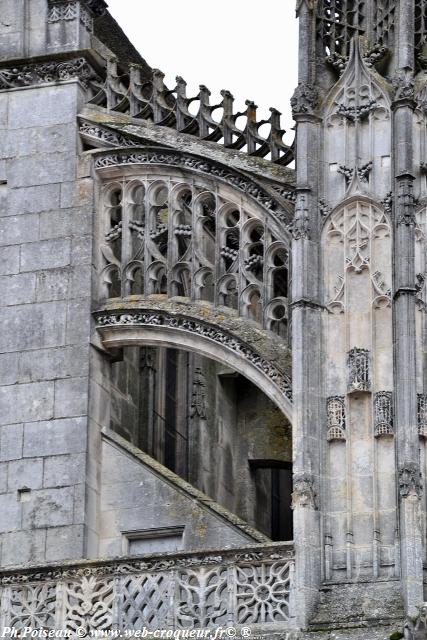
[251, 586]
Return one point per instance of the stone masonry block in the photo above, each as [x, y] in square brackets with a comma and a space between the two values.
[9, 260]
[28, 546]
[64, 223]
[78, 320]
[33, 199]
[25, 473]
[64, 543]
[71, 397]
[52, 284]
[11, 441]
[55, 437]
[10, 510]
[65, 470]
[3, 477]
[81, 250]
[77, 194]
[17, 289]
[19, 229]
[47, 168]
[62, 362]
[48, 508]
[43, 107]
[49, 254]
[9, 368]
[26, 402]
[32, 326]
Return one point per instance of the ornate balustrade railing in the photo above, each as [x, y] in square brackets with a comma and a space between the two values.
[126, 91]
[252, 586]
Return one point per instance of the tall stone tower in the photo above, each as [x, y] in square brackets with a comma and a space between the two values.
[213, 408]
[359, 298]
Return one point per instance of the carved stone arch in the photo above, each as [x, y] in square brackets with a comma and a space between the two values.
[256, 354]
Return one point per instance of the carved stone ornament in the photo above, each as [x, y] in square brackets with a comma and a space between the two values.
[311, 4]
[163, 319]
[415, 626]
[304, 99]
[403, 84]
[358, 370]
[336, 418]
[186, 161]
[41, 73]
[406, 202]
[422, 415]
[96, 7]
[410, 481]
[198, 400]
[304, 494]
[194, 590]
[300, 226]
[106, 135]
[383, 409]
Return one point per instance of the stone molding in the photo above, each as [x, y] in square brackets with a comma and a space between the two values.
[46, 72]
[164, 319]
[186, 161]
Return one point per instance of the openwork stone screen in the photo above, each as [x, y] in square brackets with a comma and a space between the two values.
[337, 22]
[384, 22]
[168, 236]
[252, 586]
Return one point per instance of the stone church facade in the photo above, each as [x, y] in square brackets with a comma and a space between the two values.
[213, 400]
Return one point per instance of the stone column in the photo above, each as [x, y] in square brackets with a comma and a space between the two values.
[404, 299]
[306, 332]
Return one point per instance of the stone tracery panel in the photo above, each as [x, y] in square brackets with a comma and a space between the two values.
[174, 236]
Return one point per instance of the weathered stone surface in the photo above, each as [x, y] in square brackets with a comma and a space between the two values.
[52, 284]
[48, 508]
[19, 229]
[29, 546]
[26, 402]
[17, 289]
[25, 473]
[33, 326]
[71, 397]
[32, 199]
[63, 470]
[55, 437]
[11, 441]
[65, 543]
[10, 510]
[49, 254]
[9, 260]
[62, 362]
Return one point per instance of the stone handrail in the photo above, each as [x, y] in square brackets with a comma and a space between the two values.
[250, 586]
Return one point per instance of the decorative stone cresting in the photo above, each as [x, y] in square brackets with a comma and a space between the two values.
[126, 91]
[252, 585]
